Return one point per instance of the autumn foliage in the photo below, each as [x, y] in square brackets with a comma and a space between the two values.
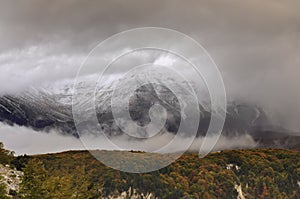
[262, 173]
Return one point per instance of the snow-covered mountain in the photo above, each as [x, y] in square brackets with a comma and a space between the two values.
[50, 107]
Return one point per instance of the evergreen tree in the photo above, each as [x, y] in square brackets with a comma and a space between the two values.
[6, 156]
[58, 187]
[81, 184]
[32, 183]
[3, 194]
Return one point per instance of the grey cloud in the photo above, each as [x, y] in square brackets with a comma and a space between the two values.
[24, 140]
[255, 44]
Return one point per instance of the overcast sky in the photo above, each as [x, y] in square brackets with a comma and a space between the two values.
[256, 44]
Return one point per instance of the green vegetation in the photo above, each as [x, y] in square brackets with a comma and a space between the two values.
[3, 194]
[6, 156]
[262, 173]
[37, 183]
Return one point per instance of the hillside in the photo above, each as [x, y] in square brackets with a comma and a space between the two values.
[50, 108]
[255, 173]
[10, 179]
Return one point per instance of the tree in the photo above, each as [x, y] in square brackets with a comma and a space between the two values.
[58, 187]
[6, 156]
[34, 177]
[40, 183]
[3, 193]
[81, 183]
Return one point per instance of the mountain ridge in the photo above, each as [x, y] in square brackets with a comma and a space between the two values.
[47, 108]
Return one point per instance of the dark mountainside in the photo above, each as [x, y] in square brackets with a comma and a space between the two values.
[44, 110]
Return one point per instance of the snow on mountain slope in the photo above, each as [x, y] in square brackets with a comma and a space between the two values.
[50, 107]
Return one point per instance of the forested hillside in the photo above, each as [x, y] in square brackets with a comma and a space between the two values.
[255, 173]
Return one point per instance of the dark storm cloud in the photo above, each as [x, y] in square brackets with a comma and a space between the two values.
[81, 22]
[256, 44]
[77, 23]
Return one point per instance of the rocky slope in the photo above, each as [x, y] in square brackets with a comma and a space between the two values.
[11, 178]
[50, 107]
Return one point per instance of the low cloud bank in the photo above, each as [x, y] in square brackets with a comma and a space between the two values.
[24, 140]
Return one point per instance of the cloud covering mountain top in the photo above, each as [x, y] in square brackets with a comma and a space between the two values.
[255, 44]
